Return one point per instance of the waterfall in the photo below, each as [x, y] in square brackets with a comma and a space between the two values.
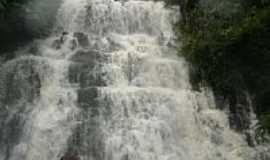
[107, 84]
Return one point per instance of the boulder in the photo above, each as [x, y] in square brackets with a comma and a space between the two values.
[86, 56]
[88, 97]
[86, 68]
[56, 44]
[20, 81]
[72, 44]
[82, 39]
[71, 156]
[86, 75]
[240, 112]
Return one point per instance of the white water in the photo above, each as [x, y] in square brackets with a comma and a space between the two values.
[125, 96]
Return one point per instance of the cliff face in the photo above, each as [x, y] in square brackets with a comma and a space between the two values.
[241, 115]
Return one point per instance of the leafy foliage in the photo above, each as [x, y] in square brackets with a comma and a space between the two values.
[12, 26]
[23, 20]
[228, 41]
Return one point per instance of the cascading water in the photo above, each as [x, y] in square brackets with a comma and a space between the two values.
[107, 85]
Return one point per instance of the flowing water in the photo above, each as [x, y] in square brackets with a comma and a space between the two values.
[108, 85]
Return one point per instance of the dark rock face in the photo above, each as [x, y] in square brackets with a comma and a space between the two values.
[70, 156]
[87, 56]
[88, 97]
[21, 81]
[20, 84]
[87, 137]
[82, 39]
[64, 39]
[240, 112]
[86, 69]
[57, 44]
[74, 40]
[72, 44]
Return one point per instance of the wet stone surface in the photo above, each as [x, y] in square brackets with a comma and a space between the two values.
[82, 39]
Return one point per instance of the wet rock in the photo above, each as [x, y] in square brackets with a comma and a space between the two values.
[65, 39]
[239, 108]
[240, 112]
[20, 83]
[20, 80]
[57, 44]
[75, 72]
[113, 44]
[88, 97]
[88, 138]
[216, 138]
[87, 56]
[86, 75]
[82, 39]
[71, 156]
[125, 157]
[73, 44]
[86, 69]
[89, 101]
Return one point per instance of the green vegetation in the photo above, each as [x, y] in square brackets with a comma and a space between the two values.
[7, 5]
[228, 43]
[23, 20]
[12, 27]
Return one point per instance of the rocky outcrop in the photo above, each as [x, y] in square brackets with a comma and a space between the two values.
[72, 41]
[82, 39]
[20, 80]
[71, 156]
[241, 114]
[20, 83]
[57, 44]
[86, 68]
[88, 57]
[88, 97]
[88, 137]
[65, 40]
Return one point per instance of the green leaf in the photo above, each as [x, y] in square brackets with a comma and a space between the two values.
[1, 6]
